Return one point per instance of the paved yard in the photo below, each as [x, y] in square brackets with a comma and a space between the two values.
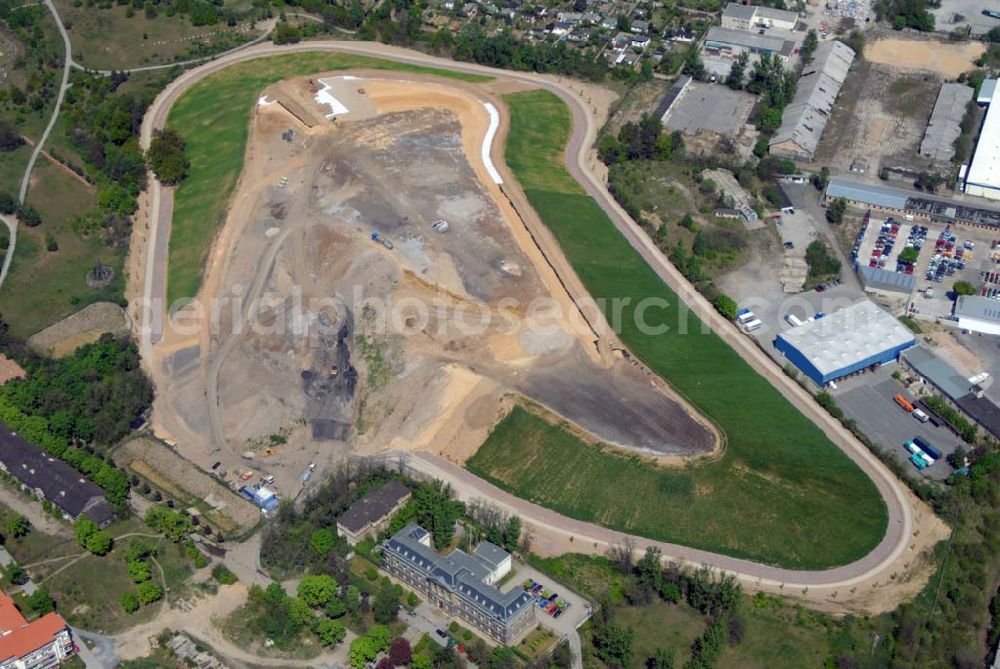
[868, 400]
[711, 107]
[574, 616]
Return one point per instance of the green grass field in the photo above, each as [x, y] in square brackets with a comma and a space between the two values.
[783, 494]
[213, 117]
[55, 281]
[138, 40]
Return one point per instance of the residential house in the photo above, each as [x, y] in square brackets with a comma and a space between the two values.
[640, 27]
[43, 643]
[641, 42]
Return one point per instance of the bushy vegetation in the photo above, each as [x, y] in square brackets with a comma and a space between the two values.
[965, 429]
[906, 14]
[167, 156]
[306, 541]
[822, 262]
[89, 399]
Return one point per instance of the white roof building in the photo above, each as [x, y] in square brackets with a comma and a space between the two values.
[983, 177]
[978, 314]
[847, 341]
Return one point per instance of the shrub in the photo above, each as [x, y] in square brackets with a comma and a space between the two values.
[130, 602]
[221, 574]
[149, 592]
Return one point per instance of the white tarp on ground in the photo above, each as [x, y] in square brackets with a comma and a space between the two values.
[491, 132]
[323, 97]
[263, 101]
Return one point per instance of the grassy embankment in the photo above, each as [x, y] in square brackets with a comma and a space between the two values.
[783, 493]
[213, 117]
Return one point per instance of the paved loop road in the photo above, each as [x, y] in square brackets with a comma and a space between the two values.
[876, 566]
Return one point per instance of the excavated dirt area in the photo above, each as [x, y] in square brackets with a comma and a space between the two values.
[357, 346]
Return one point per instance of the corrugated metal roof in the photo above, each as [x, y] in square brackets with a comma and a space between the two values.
[938, 372]
[848, 336]
[878, 196]
[805, 118]
[749, 40]
[945, 124]
[975, 306]
[883, 279]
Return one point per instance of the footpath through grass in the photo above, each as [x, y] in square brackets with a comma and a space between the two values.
[783, 494]
[213, 116]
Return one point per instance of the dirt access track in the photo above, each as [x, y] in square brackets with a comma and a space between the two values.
[889, 574]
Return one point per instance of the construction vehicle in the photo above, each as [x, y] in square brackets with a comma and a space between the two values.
[903, 402]
[376, 237]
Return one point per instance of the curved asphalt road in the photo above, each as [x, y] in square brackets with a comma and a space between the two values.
[874, 566]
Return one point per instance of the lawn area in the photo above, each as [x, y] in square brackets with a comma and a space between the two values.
[776, 635]
[138, 40]
[783, 494]
[12, 168]
[213, 117]
[89, 592]
[55, 281]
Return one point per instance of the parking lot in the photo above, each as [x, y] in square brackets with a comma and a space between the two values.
[868, 399]
[576, 609]
[952, 254]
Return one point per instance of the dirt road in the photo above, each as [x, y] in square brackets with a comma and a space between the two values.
[883, 564]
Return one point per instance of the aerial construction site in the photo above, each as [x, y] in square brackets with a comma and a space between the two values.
[377, 284]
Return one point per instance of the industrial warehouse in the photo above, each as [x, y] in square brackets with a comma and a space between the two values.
[805, 117]
[983, 176]
[848, 341]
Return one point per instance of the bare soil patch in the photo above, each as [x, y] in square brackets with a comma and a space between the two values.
[949, 59]
[83, 327]
[879, 118]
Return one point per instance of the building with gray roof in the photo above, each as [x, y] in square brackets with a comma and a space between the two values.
[806, 116]
[371, 514]
[848, 341]
[738, 41]
[870, 195]
[945, 124]
[955, 389]
[978, 314]
[937, 372]
[460, 584]
[51, 479]
[986, 92]
[885, 282]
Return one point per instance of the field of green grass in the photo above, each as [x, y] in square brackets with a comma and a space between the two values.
[138, 40]
[55, 280]
[783, 494]
[213, 116]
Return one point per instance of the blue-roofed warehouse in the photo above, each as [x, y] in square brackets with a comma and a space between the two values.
[844, 342]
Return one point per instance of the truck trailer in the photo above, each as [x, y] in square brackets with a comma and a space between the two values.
[903, 402]
[927, 447]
